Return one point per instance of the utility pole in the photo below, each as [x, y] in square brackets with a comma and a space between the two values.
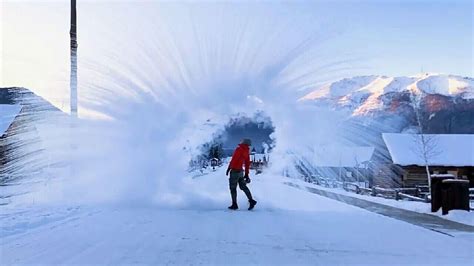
[73, 41]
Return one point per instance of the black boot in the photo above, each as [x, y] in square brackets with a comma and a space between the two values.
[233, 206]
[252, 204]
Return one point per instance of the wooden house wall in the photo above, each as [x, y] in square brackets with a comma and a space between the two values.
[386, 175]
[416, 175]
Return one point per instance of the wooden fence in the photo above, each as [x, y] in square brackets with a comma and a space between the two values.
[417, 193]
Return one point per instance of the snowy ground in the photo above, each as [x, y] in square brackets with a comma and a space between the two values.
[459, 216]
[288, 227]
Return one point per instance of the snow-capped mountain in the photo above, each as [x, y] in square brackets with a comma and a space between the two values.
[364, 94]
[446, 102]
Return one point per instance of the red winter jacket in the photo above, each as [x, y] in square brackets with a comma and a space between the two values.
[240, 158]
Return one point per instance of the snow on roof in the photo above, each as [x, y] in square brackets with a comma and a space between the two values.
[343, 156]
[444, 149]
[8, 112]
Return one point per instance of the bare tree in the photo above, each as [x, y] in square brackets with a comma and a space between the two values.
[73, 44]
[425, 145]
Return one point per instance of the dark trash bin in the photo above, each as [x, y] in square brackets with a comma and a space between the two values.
[436, 192]
[455, 195]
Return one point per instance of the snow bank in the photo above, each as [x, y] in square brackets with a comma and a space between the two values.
[459, 216]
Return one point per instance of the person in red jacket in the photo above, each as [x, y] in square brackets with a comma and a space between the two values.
[240, 159]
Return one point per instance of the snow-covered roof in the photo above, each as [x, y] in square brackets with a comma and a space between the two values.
[8, 112]
[443, 149]
[343, 156]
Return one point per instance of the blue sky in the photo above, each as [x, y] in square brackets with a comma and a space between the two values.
[404, 37]
[391, 38]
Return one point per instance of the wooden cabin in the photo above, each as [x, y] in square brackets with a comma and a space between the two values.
[447, 154]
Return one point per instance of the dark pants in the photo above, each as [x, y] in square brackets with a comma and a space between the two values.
[238, 178]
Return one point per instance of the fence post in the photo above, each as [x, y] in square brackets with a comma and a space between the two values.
[417, 192]
[374, 192]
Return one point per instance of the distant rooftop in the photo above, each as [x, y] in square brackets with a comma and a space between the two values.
[343, 156]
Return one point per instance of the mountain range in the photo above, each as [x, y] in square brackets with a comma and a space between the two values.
[445, 103]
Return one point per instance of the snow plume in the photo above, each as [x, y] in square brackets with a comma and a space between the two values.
[148, 89]
[301, 131]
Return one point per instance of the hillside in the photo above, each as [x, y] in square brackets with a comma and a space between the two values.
[446, 102]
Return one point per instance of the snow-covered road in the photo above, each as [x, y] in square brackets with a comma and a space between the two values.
[288, 227]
